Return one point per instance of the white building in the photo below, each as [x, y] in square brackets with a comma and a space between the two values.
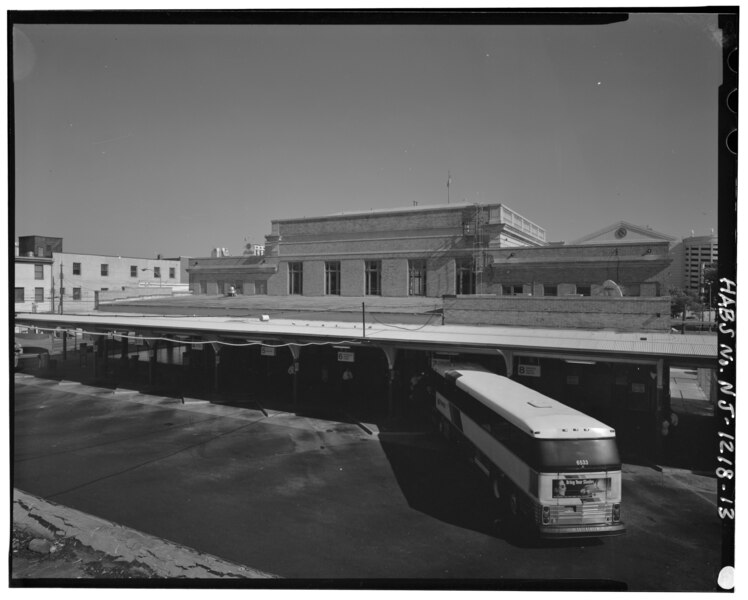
[86, 276]
[50, 280]
[32, 283]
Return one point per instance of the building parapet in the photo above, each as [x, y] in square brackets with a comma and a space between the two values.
[620, 314]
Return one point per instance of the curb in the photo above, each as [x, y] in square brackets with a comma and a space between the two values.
[166, 559]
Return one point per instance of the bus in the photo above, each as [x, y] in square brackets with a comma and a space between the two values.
[553, 467]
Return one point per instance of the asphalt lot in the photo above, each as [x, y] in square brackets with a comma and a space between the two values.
[304, 497]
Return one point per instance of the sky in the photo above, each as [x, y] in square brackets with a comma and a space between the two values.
[139, 140]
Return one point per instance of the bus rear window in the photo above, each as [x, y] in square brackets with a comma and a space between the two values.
[578, 455]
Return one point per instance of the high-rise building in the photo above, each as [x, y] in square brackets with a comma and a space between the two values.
[691, 256]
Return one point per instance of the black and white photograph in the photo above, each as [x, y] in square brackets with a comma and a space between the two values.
[400, 299]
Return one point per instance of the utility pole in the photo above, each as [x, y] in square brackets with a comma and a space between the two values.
[62, 289]
[449, 182]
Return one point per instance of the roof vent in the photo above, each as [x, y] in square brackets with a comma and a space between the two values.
[539, 404]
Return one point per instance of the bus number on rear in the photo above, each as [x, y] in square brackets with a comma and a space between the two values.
[582, 462]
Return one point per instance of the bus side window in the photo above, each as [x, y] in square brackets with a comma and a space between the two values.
[501, 429]
[456, 417]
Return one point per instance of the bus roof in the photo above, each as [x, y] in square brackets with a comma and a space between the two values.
[541, 416]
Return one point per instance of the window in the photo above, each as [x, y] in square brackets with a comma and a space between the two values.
[417, 277]
[565, 455]
[19, 295]
[38, 294]
[133, 270]
[104, 289]
[295, 278]
[76, 293]
[465, 276]
[221, 286]
[513, 290]
[239, 287]
[550, 290]
[76, 268]
[172, 272]
[584, 290]
[373, 278]
[261, 287]
[332, 278]
[38, 271]
[104, 270]
[203, 287]
[157, 272]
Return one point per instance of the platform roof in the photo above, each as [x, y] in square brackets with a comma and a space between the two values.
[689, 349]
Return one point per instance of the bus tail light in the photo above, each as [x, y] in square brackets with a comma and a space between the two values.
[616, 513]
[546, 515]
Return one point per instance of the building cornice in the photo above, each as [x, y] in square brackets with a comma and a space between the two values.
[34, 259]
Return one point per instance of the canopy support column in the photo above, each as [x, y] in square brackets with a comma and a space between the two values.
[390, 354]
[294, 371]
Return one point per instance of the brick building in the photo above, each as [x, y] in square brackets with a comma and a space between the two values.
[635, 258]
[460, 249]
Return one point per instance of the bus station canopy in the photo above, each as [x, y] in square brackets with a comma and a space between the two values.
[695, 350]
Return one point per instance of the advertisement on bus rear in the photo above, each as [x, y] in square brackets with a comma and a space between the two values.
[580, 488]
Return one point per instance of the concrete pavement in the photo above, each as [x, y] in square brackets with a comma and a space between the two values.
[301, 497]
[46, 520]
[686, 397]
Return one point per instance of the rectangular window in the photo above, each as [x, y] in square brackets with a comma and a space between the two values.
[332, 278]
[261, 287]
[203, 287]
[417, 277]
[373, 278]
[38, 271]
[513, 290]
[104, 270]
[221, 286]
[133, 270]
[584, 290]
[104, 289]
[550, 290]
[19, 295]
[38, 294]
[76, 268]
[239, 287]
[157, 272]
[76, 293]
[172, 272]
[295, 278]
[465, 276]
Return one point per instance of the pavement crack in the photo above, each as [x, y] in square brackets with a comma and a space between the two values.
[153, 461]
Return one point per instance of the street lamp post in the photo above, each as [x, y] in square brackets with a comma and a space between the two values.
[159, 274]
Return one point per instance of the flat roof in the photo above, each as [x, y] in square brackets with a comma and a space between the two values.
[580, 344]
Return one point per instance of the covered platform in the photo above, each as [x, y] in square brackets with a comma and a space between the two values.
[622, 378]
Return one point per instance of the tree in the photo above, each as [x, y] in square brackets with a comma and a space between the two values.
[681, 301]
